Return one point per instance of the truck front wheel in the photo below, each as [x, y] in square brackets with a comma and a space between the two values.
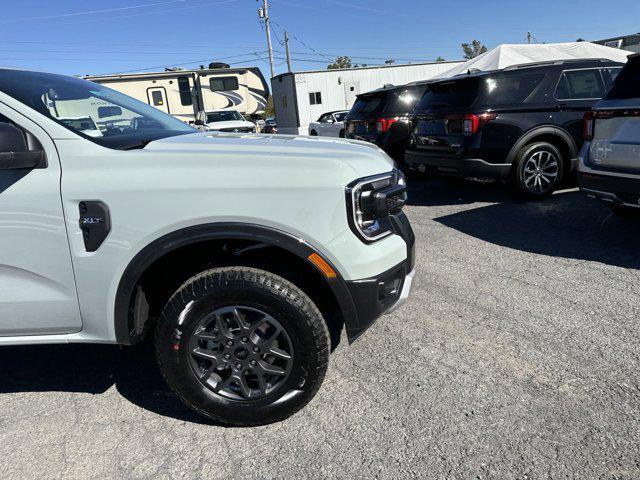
[242, 346]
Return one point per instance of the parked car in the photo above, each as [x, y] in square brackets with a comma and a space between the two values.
[270, 126]
[382, 117]
[330, 124]
[522, 124]
[237, 254]
[609, 162]
[224, 121]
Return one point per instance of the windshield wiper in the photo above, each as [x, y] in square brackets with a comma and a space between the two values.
[140, 144]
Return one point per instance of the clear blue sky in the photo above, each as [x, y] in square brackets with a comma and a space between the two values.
[128, 35]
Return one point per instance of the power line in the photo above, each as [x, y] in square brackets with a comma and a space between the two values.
[190, 62]
[304, 44]
[92, 12]
[154, 12]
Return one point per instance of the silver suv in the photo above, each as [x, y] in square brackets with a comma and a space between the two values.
[609, 163]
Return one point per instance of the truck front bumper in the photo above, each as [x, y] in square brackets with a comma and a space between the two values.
[386, 292]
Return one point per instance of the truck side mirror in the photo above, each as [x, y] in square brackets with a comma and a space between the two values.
[22, 160]
[198, 122]
[14, 152]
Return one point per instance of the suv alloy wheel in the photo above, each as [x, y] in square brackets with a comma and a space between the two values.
[538, 170]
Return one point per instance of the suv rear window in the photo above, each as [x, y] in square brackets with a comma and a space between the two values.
[367, 104]
[490, 90]
[627, 84]
[580, 85]
[403, 100]
[507, 89]
[458, 93]
[400, 100]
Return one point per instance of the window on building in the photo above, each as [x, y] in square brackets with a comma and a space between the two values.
[223, 84]
[185, 91]
[315, 98]
[580, 85]
[156, 97]
[284, 101]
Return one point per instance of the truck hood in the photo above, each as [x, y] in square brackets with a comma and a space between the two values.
[229, 124]
[361, 158]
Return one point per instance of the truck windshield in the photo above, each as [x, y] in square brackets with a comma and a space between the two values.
[226, 116]
[102, 115]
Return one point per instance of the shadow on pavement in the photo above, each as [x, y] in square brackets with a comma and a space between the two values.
[568, 225]
[431, 192]
[92, 369]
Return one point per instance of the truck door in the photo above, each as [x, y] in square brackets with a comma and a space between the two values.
[37, 287]
[157, 97]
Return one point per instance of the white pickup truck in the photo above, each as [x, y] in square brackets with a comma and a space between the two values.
[330, 124]
[242, 256]
[224, 121]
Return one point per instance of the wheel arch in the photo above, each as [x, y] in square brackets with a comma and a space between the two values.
[131, 308]
[558, 137]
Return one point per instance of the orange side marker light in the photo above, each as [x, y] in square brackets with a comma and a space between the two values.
[324, 267]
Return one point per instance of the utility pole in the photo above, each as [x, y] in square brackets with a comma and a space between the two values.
[286, 48]
[529, 38]
[264, 13]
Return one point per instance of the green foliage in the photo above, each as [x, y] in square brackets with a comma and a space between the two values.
[473, 49]
[340, 62]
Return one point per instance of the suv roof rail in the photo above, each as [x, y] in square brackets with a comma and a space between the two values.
[556, 62]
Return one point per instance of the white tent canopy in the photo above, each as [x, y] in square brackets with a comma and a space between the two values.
[506, 55]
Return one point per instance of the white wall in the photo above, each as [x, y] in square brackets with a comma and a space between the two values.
[335, 87]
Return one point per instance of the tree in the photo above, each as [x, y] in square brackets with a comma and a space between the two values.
[473, 49]
[440, 59]
[340, 62]
[581, 40]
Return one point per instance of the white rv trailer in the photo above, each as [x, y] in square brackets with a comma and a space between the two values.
[183, 93]
[300, 98]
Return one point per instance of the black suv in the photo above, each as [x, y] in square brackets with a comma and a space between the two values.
[522, 124]
[382, 117]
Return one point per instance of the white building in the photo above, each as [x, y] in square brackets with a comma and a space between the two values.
[300, 98]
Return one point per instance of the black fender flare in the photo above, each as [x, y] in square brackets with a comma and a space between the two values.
[125, 295]
[543, 130]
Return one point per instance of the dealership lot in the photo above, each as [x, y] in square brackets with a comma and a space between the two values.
[516, 356]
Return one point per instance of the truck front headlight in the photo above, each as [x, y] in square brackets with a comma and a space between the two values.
[371, 201]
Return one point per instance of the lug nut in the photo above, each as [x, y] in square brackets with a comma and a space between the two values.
[256, 349]
[230, 343]
[226, 356]
[253, 363]
[238, 366]
[245, 339]
[216, 331]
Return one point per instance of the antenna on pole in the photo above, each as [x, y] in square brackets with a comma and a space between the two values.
[529, 38]
[264, 14]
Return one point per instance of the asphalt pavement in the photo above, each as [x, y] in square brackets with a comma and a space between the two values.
[517, 356]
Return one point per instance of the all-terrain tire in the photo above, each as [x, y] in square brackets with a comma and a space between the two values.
[251, 290]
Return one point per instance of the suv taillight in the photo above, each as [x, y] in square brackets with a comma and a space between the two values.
[589, 118]
[384, 124]
[587, 125]
[472, 123]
